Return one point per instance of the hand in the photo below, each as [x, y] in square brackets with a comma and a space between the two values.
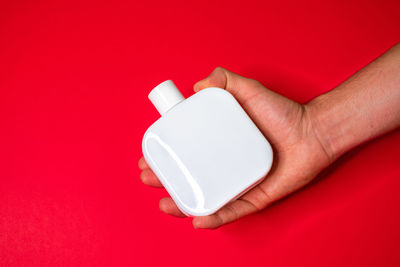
[299, 154]
[305, 138]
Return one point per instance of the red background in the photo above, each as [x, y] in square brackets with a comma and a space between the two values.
[74, 78]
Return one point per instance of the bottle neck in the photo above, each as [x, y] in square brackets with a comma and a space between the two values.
[165, 95]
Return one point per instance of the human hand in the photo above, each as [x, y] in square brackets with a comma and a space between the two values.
[299, 153]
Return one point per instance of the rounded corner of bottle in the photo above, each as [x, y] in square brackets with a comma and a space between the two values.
[144, 141]
[206, 213]
[193, 211]
[183, 208]
[270, 160]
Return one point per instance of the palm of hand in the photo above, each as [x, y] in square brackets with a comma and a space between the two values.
[298, 155]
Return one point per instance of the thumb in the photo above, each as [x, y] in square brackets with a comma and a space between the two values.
[243, 89]
[217, 78]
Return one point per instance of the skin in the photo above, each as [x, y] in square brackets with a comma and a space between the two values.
[306, 138]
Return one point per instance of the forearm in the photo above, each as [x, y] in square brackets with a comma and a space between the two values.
[363, 107]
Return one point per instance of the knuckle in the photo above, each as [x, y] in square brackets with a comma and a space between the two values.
[262, 200]
[255, 83]
[219, 69]
[142, 176]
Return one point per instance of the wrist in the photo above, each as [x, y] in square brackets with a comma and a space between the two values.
[363, 107]
[326, 126]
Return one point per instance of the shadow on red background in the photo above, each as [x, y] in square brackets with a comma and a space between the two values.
[74, 79]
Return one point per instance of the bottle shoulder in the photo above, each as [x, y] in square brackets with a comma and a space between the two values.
[213, 92]
[212, 96]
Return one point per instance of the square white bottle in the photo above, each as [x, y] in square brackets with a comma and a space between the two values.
[205, 149]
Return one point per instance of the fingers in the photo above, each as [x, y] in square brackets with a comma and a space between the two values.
[227, 214]
[142, 164]
[252, 202]
[260, 197]
[149, 178]
[168, 206]
[217, 78]
[255, 200]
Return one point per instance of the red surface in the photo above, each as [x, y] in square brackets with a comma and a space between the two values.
[74, 78]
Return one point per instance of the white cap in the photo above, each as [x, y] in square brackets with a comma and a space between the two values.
[164, 96]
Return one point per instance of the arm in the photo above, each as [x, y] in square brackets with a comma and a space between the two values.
[363, 107]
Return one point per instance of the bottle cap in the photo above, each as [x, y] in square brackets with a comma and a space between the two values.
[165, 95]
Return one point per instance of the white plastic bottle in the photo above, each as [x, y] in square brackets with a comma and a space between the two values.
[205, 150]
